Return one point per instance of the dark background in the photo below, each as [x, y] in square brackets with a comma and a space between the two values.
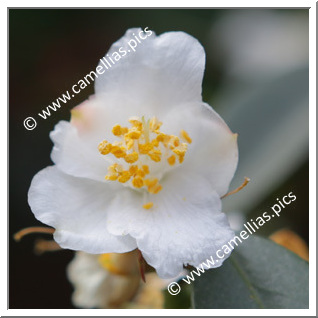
[50, 50]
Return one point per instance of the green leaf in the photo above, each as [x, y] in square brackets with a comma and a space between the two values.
[258, 274]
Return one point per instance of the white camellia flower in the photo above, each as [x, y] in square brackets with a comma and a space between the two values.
[143, 163]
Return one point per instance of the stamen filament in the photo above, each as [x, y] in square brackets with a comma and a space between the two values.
[243, 185]
[146, 129]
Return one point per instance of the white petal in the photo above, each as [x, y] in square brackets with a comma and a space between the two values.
[163, 71]
[76, 208]
[75, 150]
[185, 226]
[213, 152]
[74, 156]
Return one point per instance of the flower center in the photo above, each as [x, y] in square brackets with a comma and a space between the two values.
[143, 153]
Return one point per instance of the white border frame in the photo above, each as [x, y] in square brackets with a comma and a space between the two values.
[312, 155]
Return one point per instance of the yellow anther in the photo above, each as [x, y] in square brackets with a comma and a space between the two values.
[136, 123]
[155, 143]
[155, 188]
[151, 182]
[118, 152]
[165, 139]
[133, 133]
[104, 147]
[155, 155]
[181, 150]
[138, 182]
[161, 137]
[124, 130]
[185, 136]
[145, 148]
[124, 177]
[154, 124]
[148, 205]
[133, 170]
[114, 171]
[132, 157]
[175, 141]
[112, 177]
[172, 160]
[117, 131]
[140, 173]
[181, 158]
[145, 168]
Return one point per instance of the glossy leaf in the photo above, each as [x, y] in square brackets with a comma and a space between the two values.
[259, 274]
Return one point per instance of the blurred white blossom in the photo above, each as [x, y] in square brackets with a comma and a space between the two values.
[113, 281]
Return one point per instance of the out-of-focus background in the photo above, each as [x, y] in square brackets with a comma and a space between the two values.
[256, 78]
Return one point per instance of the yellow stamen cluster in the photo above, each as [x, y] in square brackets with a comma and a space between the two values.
[148, 205]
[140, 144]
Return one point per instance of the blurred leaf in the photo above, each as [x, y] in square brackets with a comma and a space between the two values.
[271, 119]
[259, 274]
[179, 301]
